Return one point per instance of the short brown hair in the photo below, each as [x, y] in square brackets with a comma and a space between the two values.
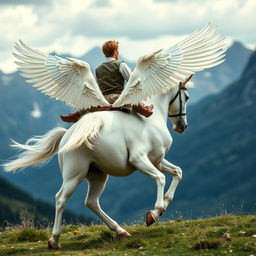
[109, 47]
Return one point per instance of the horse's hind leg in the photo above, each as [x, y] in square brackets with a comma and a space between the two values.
[74, 172]
[96, 184]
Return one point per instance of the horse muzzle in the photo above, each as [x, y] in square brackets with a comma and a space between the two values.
[180, 126]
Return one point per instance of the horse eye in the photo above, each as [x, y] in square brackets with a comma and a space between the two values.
[186, 96]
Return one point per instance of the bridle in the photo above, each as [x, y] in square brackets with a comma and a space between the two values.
[178, 94]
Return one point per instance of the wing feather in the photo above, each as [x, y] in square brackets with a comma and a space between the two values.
[162, 70]
[59, 78]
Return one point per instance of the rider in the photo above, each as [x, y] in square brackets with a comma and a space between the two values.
[111, 76]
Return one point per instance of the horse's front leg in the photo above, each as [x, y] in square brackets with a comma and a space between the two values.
[168, 167]
[142, 163]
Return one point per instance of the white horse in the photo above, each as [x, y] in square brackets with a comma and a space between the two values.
[116, 143]
[122, 143]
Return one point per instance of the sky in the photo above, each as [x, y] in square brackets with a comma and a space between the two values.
[141, 26]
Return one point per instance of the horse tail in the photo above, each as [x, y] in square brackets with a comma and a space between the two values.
[36, 150]
[85, 131]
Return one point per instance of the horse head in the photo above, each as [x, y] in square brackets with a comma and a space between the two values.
[177, 107]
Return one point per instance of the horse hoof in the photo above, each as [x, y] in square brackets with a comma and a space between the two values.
[125, 234]
[53, 247]
[150, 219]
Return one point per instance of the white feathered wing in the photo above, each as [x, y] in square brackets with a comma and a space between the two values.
[158, 72]
[66, 79]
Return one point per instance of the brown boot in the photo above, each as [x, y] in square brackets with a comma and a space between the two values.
[144, 110]
[71, 118]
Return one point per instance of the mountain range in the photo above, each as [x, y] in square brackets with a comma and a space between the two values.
[212, 81]
[17, 206]
[220, 134]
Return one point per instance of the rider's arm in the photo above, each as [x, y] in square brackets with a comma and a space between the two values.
[125, 71]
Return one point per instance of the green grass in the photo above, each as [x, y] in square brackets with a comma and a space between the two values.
[181, 237]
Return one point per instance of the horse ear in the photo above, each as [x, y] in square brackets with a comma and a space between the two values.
[189, 78]
[188, 83]
[184, 84]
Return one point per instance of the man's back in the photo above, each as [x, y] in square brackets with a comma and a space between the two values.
[109, 77]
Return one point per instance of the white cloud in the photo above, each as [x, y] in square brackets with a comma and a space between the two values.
[133, 49]
[24, 2]
[141, 26]
[14, 19]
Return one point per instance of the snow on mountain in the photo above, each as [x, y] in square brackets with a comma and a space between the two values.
[36, 112]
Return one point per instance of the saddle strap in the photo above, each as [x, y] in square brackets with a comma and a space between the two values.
[110, 108]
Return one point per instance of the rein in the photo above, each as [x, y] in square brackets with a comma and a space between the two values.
[180, 102]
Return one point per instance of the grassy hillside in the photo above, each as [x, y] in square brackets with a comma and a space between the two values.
[226, 235]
